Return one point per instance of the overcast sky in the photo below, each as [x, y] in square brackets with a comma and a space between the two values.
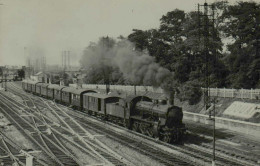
[56, 25]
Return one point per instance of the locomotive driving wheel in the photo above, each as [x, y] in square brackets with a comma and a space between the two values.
[149, 131]
[166, 138]
[175, 138]
[142, 128]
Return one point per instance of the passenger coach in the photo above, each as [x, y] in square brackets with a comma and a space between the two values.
[74, 96]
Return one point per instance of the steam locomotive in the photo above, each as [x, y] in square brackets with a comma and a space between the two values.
[139, 113]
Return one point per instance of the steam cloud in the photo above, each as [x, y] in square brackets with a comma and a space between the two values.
[136, 66]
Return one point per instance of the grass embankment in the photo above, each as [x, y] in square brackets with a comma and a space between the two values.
[221, 105]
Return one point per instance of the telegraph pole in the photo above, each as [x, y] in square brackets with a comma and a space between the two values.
[5, 82]
[207, 21]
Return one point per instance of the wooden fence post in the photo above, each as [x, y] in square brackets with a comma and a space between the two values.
[224, 92]
[251, 96]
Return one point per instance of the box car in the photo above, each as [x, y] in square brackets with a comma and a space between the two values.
[77, 97]
[31, 86]
[96, 102]
[50, 90]
[57, 92]
[66, 94]
[118, 109]
[41, 89]
[24, 85]
[38, 88]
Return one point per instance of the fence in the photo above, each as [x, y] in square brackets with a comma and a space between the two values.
[235, 93]
[218, 92]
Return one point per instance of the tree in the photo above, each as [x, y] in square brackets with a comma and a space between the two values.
[241, 24]
[140, 38]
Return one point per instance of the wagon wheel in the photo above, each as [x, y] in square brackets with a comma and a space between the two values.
[175, 138]
[89, 112]
[142, 128]
[126, 124]
[135, 127]
[149, 131]
[166, 138]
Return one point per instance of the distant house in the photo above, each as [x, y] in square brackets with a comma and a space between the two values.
[40, 76]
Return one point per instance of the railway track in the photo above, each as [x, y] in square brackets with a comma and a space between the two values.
[56, 154]
[102, 151]
[161, 156]
[158, 155]
[202, 153]
[9, 154]
[195, 152]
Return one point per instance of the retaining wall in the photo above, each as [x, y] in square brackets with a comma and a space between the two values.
[230, 124]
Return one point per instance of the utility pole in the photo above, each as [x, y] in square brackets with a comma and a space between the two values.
[208, 22]
[5, 82]
[6, 72]
[2, 78]
[68, 59]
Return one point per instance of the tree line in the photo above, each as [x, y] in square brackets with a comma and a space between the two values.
[233, 49]
[236, 61]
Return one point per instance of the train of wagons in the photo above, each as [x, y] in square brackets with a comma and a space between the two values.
[142, 114]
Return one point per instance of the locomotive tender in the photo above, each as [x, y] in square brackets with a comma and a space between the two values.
[139, 113]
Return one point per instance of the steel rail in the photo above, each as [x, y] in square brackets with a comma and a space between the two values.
[196, 154]
[89, 135]
[96, 147]
[192, 151]
[19, 148]
[48, 147]
[65, 150]
[28, 133]
[12, 156]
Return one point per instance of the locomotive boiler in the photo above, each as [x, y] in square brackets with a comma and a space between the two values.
[158, 119]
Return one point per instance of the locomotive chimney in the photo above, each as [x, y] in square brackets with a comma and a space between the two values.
[171, 98]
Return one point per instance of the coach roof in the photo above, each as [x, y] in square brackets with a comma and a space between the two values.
[31, 82]
[56, 87]
[101, 96]
[42, 84]
[68, 89]
[80, 91]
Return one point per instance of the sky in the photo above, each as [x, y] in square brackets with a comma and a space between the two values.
[56, 25]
